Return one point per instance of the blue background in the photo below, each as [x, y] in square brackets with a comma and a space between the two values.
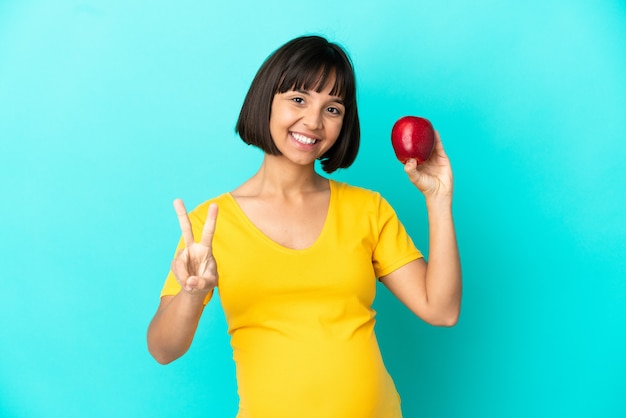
[111, 109]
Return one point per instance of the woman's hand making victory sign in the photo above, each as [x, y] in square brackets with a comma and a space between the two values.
[172, 329]
[195, 267]
[433, 177]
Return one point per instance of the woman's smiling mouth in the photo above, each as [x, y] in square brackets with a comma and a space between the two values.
[303, 139]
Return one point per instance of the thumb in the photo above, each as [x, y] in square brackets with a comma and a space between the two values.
[411, 169]
[410, 165]
[198, 283]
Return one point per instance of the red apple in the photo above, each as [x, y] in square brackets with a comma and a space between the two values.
[413, 137]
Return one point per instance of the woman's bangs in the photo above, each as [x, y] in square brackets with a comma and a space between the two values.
[314, 76]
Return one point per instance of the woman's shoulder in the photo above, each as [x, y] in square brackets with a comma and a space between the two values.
[200, 210]
[353, 200]
[359, 193]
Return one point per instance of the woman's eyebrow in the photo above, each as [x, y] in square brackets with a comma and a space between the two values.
[334, 99]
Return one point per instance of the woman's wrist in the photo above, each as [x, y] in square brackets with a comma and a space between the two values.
[192, 302]
[439, 203]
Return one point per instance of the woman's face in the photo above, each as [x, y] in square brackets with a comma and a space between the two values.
[305, 124]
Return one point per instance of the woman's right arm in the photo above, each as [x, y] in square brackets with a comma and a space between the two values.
[174, 325]
[172, 329]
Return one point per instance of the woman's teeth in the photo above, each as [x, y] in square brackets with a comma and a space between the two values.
[303, 139]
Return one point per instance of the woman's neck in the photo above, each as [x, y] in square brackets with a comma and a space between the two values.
[278, 176]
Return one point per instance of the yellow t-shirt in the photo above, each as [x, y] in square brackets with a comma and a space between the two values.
[301, 321]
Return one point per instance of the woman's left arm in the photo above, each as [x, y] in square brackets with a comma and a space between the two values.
[432, 290]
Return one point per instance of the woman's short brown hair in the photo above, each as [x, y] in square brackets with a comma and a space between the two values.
[306, 63]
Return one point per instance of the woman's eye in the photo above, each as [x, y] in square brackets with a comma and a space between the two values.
[333, 110]
[298, 100]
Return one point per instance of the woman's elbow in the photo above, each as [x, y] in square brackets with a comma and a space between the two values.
[446, 319]
[160, 356]
[160, 352]
[448, 322]
[161, 359]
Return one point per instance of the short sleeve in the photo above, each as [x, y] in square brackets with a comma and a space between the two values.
[394, 247]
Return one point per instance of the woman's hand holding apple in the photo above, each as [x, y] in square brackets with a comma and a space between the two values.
[433, 177]
[418, 146]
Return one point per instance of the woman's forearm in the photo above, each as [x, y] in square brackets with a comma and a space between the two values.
[174, 325]
[443, 275]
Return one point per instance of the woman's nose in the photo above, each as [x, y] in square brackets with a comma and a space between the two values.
[312, 118]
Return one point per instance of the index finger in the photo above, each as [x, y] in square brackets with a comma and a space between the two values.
[183, 221]
[209, 226]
